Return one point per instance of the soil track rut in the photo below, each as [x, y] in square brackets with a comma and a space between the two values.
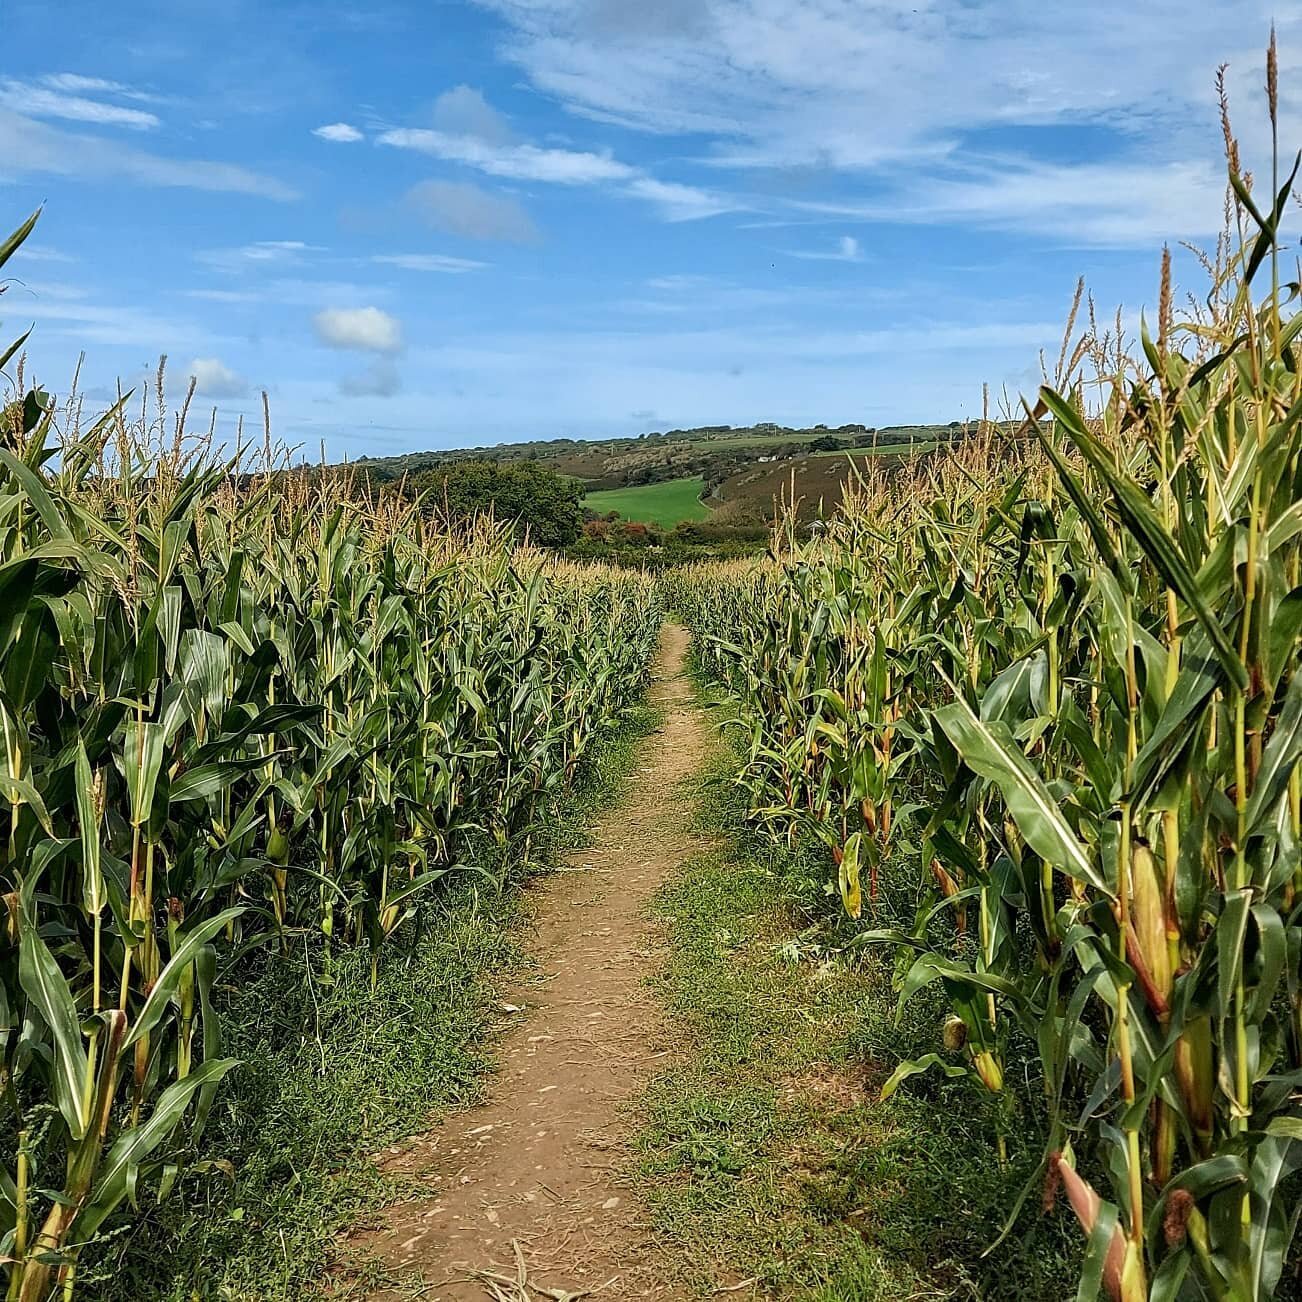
[528, 1182]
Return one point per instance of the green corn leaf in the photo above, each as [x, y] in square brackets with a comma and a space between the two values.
[205, 974]
[848, 876]
[45, 985]
[135, 1145]
[209, 780]
[7, 355]
[1276, 1159]
[990, 751]
[88, 825]
[916, 1067]
[39, 496]
[1286, 1128]
[1231, 931]
[9, 246]
[1096, 1253]
[1170, 1277]
[143, 757]
[1279, 760]
[1083, 503]
[182, 956]
[1272, 954]
[1144, 522]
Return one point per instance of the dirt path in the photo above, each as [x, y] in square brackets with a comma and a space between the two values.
[530, 1178]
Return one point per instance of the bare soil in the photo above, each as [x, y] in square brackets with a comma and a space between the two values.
[526, 1197]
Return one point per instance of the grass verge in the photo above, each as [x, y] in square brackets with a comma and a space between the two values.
[329, 1074]
[766, 1153]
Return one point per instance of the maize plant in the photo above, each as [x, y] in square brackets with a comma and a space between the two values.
[1052, 683]
[241, 706]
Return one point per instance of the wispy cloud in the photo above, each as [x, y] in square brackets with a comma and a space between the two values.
[485, 143]
[41, 253]
[899, 95]
[31, 147]
[227, 295]
[847, 250]
[842, 81]
[1073, 204]
[72, 310]
[65, 95]
[258, 255]
[291, 291]
[514, 162]
[76, 83]
[682, 203]
[436, 262]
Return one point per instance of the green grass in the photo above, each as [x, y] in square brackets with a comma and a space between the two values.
[663, 504]
[882, 450]
[331, 1072]
[766, 1153]
[889, 435]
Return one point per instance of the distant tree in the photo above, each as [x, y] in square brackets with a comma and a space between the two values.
[536, 500]
[828, 443]
[631, 533]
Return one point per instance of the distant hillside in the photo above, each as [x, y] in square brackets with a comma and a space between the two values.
[714, 452]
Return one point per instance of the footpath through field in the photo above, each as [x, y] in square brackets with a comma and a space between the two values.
[527, 1185]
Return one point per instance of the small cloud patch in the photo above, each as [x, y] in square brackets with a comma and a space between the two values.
[214, 379]
[364, 329]
[341, 133]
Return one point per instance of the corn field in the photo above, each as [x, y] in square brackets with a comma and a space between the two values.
[241, 708]
[1049, 687]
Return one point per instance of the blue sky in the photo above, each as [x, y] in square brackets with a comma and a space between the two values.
[451, 222]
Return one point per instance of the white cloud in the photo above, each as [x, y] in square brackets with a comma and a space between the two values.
[847, 250]
[515, 162]
[900, 91]
[214, 379]
[339, 132]
[468, 210]
[76, 84]
[472, 133]
[463, 111]
[366, 329]
[41, 253]
[681, 203]
[69, 310]
[31, 147]
[380, 380]
[259, 254]
[845, 80]
[439, 262]
[292, 291]
[709, 298]
[1073, 204]
[226, 295]
[47, 102]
